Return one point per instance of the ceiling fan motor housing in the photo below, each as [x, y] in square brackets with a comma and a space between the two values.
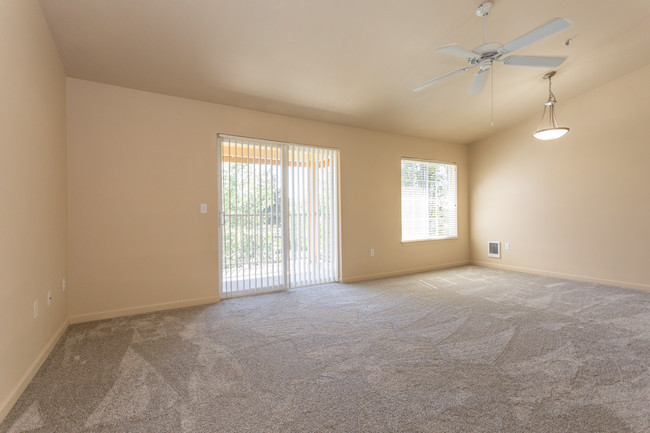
[486, 51]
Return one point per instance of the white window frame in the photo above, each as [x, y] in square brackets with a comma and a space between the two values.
[452, 229]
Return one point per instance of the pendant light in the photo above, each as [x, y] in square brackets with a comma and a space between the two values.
[549, 130]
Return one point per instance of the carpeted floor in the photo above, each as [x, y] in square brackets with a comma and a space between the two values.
[458, 350]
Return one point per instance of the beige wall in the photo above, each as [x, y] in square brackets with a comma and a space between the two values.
[33, 195]
[141, 163]
[579, 205]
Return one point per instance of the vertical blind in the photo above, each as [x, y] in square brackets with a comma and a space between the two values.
[312, 211]
[251, 253]
[278, 215]
[429, 200]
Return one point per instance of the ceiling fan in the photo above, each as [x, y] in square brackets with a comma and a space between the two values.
[485, 55]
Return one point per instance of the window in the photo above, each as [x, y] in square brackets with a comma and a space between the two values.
[429, 204]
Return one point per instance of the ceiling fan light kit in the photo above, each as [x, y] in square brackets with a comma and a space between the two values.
[552, 131]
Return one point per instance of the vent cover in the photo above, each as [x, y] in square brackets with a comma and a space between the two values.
[494, 249]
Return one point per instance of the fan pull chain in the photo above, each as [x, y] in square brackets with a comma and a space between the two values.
[492, 92]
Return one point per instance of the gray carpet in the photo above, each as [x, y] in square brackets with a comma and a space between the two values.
[458, 350]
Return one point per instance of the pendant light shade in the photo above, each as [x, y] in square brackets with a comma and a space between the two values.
[548, 128]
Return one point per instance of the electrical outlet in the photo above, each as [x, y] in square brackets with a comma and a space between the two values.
[49, 298]
[63, 285]
[35, 309]
[372, 252]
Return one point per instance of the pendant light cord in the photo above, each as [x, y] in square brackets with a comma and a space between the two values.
[551, 96]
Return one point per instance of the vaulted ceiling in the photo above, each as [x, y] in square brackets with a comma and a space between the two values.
[351, 62]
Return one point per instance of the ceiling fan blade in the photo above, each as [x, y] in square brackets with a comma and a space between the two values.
[479, 82]
[440, 78]
[457, 50]
[547, 62]
[550, 28]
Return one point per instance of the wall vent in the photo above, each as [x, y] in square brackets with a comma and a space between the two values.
[494, 249]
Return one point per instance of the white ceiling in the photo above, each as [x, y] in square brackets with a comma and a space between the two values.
[351, 62]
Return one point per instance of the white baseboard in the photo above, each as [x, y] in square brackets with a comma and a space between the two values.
[130, 311]
[18, 390]
[563, 275]
[367, 277]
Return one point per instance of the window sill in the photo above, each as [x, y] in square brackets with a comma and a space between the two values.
[430, 240]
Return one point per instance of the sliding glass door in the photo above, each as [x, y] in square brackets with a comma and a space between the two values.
[278, 215]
